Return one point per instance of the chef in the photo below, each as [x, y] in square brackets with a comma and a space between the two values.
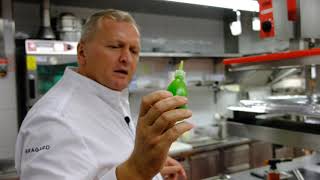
[82, 128]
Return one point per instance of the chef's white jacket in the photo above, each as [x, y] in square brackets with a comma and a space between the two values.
[76, 131]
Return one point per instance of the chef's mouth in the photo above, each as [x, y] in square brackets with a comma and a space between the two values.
[122, 72]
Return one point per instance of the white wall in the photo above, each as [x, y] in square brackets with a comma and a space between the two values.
[153, 74]
[178, 33]
[8, 116]
[8, 101]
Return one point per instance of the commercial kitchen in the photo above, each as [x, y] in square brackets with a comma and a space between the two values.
[252, 74]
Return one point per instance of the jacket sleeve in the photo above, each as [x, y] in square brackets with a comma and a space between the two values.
[49, 149]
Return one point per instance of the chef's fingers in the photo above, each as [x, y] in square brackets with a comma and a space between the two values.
[174, 132]
[162, 106]
[168, 119]
[171, 177]
[168, 170]
[149, 100]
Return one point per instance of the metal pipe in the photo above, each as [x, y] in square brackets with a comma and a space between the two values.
[298, 174]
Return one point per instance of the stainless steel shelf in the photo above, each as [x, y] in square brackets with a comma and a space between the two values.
[284, 64]
[54, 47]
[187, 55]
[159, 55]
[274, 135]
[48, 60]
[275, 60]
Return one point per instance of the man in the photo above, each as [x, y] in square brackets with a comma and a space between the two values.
[81, 129]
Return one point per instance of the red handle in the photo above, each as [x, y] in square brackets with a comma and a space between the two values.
[3, 61]
[273, 57]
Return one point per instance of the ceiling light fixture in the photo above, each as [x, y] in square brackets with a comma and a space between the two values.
[244, 5]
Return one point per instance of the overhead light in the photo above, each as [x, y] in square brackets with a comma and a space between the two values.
[255, 24]
[244, 5]
[235, 26]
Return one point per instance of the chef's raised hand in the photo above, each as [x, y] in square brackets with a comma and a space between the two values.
[156, 131]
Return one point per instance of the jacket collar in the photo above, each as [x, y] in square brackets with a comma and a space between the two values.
[112, 97]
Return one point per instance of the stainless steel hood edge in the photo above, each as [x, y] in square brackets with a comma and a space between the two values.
[276, 136]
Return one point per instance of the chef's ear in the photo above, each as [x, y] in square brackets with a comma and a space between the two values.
[81, 53]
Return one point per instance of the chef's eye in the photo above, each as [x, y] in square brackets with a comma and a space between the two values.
[134, 51]
[113, 46]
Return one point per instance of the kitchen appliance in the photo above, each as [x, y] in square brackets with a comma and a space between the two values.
[41, 64]
[275, 20]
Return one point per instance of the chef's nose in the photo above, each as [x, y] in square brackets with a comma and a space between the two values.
[125, 56]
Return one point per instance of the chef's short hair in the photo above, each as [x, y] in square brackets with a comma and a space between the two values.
[92, 24]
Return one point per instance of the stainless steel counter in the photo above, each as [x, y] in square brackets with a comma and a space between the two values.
[216, 144]
[212, 144]
[12, 176]
[9, 174]
[306, 162]
[7, 170]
